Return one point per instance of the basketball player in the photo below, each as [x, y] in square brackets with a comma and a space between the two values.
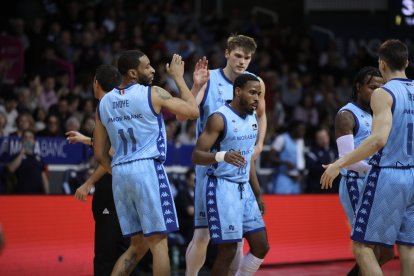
[129, 119]
[210, 97]
[109, 243]
[227, 145]
[386, 214]
[352, 125]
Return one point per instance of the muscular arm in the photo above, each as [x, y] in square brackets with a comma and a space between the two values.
[212, 132]
[344, 129]
[201, 154]
[185, 109]
[381, 104]
[344, 124]
[102, 145]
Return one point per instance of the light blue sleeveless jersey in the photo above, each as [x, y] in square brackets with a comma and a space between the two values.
[219, 90]
[362, 129]
[135, 130]
[239, 135]
[399, 151]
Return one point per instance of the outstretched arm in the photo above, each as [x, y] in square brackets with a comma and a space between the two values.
[381, 103]
[74, 137]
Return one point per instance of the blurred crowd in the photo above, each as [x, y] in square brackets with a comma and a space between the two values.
[63, 42]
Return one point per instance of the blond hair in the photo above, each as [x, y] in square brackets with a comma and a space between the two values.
[246, 43]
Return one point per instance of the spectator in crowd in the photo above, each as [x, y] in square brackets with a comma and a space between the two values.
[48, 96]
[28, 168]
[40, 119]
[10, 110]
[26, 101]
[3, 124]
[61, 110]
[319, 154]
[306, 111]
[288, 155]
[25, 122]
[53, 128]
[72, 124]
[87, 126]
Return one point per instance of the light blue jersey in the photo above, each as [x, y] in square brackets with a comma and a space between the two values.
[135, 130]
[142, 194]
[218, 91]
[232, 209]
[399, 150]
[240, 133]
[352, 182]
[386, 213]
[362, 129]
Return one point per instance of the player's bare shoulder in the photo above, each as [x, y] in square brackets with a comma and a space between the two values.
[344, 123]
[160, 93]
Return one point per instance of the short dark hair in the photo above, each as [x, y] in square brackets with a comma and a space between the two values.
[129, 60]
[108, 77]
[394, 53]
[241, 81]
[363, 76]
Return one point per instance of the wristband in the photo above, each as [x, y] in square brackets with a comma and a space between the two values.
[220, 156]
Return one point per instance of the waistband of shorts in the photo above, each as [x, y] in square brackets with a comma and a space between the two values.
[135, 160]
[238, 183]
[395, 167]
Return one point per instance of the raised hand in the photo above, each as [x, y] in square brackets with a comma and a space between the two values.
[176, 68]
[201, 73]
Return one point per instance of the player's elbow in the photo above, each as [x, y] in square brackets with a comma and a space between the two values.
[379, 142]
[194, 158]
[194, 113]
[189, 114]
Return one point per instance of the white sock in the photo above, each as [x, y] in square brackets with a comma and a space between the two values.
[235, 264]
[197, 251]
[249, 265]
